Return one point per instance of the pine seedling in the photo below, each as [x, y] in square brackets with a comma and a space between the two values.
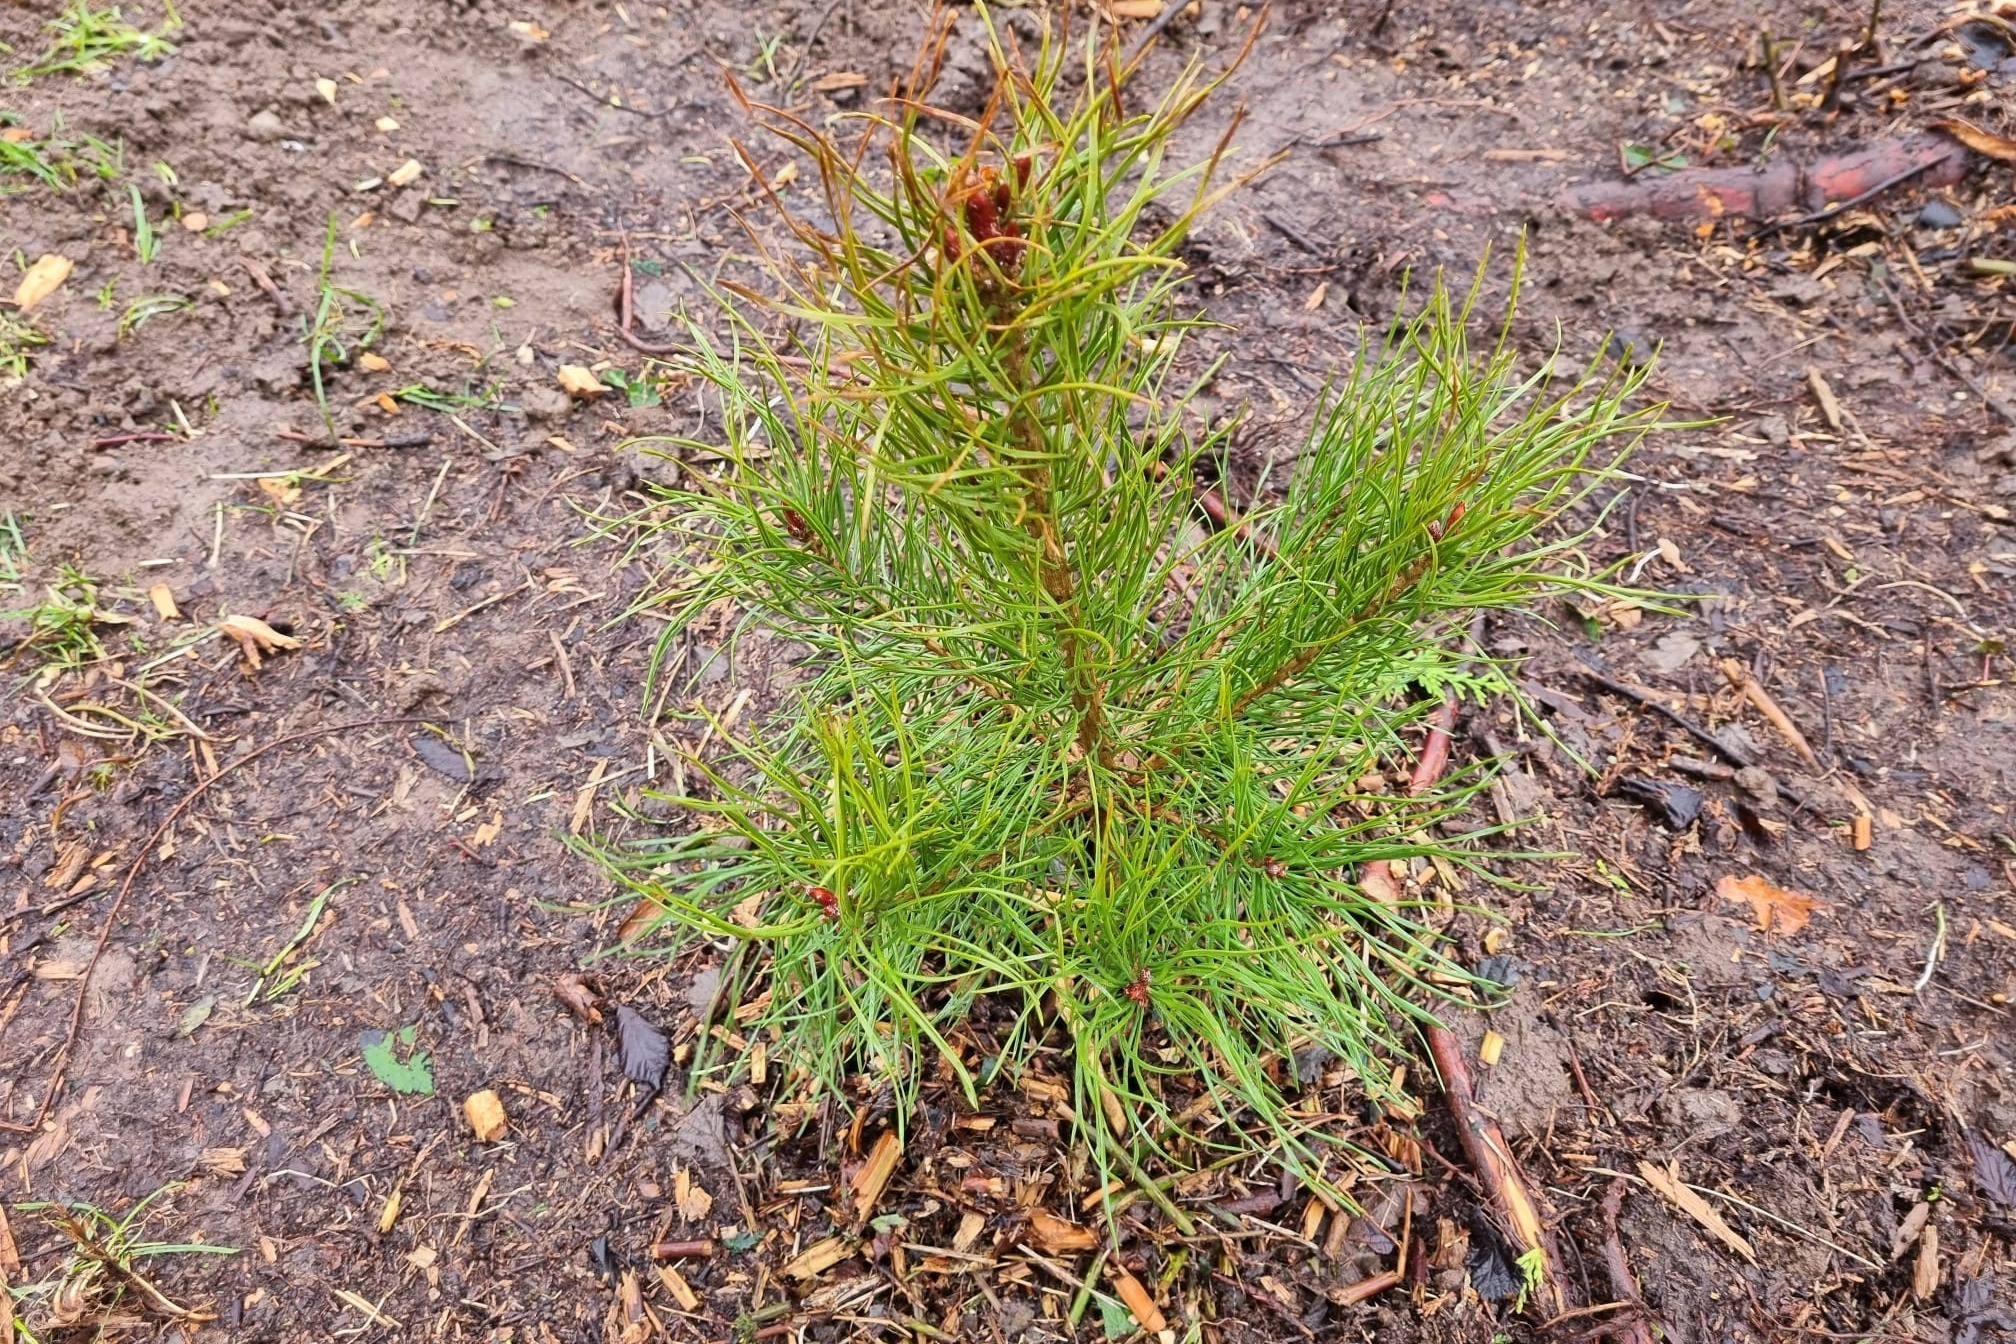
[1065, 768]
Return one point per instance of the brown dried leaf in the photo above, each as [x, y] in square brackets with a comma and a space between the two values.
[1979, 140]
[580, 998]
[1776, 908]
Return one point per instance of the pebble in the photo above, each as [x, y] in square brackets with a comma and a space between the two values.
[265, 126]
[1939, 215]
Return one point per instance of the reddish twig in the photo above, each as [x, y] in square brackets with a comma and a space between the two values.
[1633, 1328]
[175, 814]
[1215, 509]
[1822, 189]
[626, 312]
[1483, 1142]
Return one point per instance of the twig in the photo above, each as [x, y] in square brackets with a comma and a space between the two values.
[1739, 677]
[1483, 1142]
[1938, 356]
[607, 101]
[175, 814]
[1841, 207]
[626, 309]
[1170, 10]
[1633, 1329]
[1736, 756]
[805, 47]
[444, 626]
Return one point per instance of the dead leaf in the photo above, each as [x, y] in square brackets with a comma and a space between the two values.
[690, 1197]
[1136, 9]
[255, 637]
[1980, 141]
[1057, 1236]
[642, 1049]
[580, 999]
[372, 362]
[44, 278]
[577, 381]
[10, 1256]
[839, 79]
[1667, 1183]
[1776, 908]
[485, 1112]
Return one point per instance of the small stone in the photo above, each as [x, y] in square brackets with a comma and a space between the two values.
[407, 206]
[542, 403]
[1939, 215]
[265, 126]
[1756, 781]
[1632, 349]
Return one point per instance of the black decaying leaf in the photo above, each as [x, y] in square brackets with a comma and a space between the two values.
[439, 756]
[604, 1259]
[1494, 1271]
[1676, 805]
[642, 1050]
[1993, 1170]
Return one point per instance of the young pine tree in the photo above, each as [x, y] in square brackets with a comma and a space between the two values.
[1062, 753]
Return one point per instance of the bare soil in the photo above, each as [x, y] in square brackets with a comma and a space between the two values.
[1838, 510]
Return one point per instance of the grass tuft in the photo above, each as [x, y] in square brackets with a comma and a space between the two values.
[86, 39]
[1067, 768]
[344, 323]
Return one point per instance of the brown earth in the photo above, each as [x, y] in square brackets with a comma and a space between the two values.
[1839, 513]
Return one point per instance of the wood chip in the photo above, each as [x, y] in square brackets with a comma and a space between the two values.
[485, 1112]
[44, 278]
[577, 381]
[163, 598]
[1830, 406]
[1668, 1184]
[690, 1197]
[1525, 156]
[1491, 1048]
[1059, 1237]
[868, 1182]
[1136, 1297]
[405, 175]
[1925, 1278]
[817, 1258]
[681, 1291]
